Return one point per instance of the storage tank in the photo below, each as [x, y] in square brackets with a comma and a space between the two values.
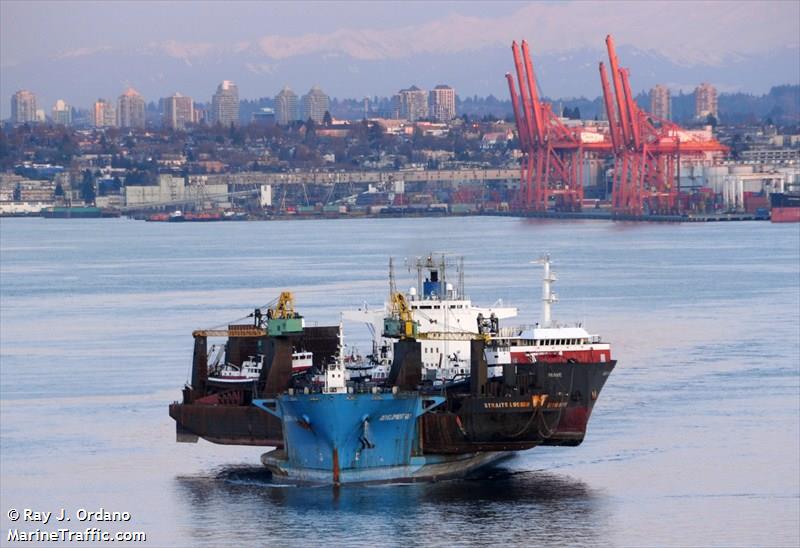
[714, 177]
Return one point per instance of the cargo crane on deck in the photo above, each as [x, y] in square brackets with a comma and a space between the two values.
[554, 154]
[647, 150]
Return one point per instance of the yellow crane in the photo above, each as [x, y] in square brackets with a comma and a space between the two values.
[284, 308]
[400, 324]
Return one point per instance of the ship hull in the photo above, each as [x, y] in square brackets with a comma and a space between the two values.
[785, 215]
[785, 208]
[425, 468]
[539, 404]
[359, 438]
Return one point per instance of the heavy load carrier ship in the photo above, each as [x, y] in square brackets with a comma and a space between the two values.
[421, 420]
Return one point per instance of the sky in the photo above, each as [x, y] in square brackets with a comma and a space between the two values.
[277, 38]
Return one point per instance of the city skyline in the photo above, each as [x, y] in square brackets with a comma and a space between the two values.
[347, 53]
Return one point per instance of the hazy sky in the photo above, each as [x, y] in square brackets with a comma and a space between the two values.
[689, 33]
[691, 30]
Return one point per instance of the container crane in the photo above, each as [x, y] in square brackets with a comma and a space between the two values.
[647, 150]
[554, 154]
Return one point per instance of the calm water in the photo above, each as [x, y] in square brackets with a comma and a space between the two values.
[695, 439]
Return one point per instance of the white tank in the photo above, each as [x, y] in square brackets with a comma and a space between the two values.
[714, 177]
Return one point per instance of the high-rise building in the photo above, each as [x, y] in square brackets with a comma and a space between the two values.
[62, 113]
[286, 106]
[104, 114]
[413, 104]
[23, 107]
[178, 111]
[705, 100]
[130, 109]
[443, 103]
[225, 105]
[660, 102]
[315, 104]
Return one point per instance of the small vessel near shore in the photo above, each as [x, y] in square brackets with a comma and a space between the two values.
[785, 207]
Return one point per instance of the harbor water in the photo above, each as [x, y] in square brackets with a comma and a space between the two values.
[695, 440]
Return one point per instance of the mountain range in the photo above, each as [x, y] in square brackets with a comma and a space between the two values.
[80, 77]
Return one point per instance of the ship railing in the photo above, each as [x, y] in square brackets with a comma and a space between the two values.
[359, 388]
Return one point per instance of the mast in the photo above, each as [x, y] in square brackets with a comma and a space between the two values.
[392, 285]
[548, 297]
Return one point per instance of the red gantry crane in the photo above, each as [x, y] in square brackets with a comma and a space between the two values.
[647, 150]
[554, 154]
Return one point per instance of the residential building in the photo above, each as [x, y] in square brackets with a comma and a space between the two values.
[104, 114]
[413, 104]
[443, 103]
[315, 105]
[286, 106]
[23, 107]
[62, 113]
[225, 105]
[705, 101]
[130, 109]
[263, 117]
[660, 102]
[178, 111]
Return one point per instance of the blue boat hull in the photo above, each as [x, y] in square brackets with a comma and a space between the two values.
[359, 438]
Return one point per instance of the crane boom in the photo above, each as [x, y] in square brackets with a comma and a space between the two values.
[608, 101]
[633, 110]
[535, 103]
[619, 92]
[526, 104]
[521, 127]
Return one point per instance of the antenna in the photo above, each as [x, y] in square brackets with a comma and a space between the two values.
[461, 277]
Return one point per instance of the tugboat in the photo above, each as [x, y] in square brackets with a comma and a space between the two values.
[176, 216]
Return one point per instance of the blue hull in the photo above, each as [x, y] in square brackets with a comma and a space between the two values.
[358, 438]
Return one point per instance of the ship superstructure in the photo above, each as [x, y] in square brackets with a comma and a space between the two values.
[445, 318]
